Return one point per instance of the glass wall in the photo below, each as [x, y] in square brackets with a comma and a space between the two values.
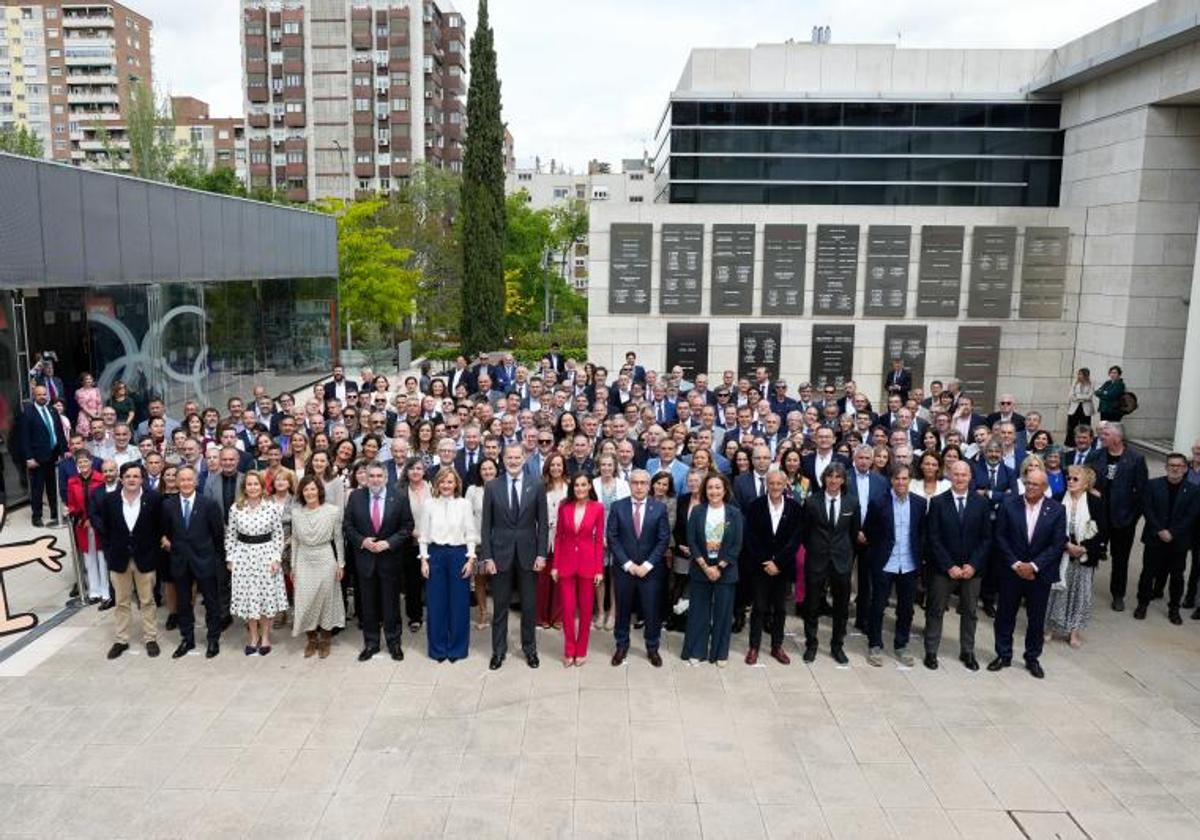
[11, 376]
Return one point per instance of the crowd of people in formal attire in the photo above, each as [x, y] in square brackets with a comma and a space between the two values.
[588, 502]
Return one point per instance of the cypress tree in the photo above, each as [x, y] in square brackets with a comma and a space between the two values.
[483, 231]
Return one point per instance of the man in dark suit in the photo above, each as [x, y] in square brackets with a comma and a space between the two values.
[128, 526]
[340, 386]
[1121, 478]
[515, 537]
[831, 529]
[1007, 413]
[814, 464]
[773, 528]
[1085, 451]
[994, 482]
[39, 444]
[960, 539]
[1172, 506]
[554, 358]
[222, 489]
[870, 488]
[746, 489]
[379, 522]
[637, 373]
[899, 380]
[637, 533]
[1031, 533]
[895, 529]
[194, 534]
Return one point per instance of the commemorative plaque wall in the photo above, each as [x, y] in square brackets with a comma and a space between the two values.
[784, 248]
[1044, 271]
[907, 342]
[993, 254]
[629, 250]
[887, 270]
[732, 269]
[832, 355]
[681, 269]
[978, 363]
[687, 346]
[939, 282]
[759, 346]
[835, 270]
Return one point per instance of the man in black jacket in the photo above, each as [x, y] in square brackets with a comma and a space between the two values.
[1121, 478]
[773, 533]
[960, 538]
[1172, 505]
[194, 535]
[128, 526]
[831, 529]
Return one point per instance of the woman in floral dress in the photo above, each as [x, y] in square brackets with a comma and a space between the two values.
[254, 552]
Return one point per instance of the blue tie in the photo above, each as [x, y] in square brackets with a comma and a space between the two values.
[187, 512]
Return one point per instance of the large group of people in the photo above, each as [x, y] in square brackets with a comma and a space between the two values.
[598, 503]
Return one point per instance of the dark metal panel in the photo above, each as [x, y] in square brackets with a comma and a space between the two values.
[1044, 272]
[190, 235]
[993, 257]
[907, 342]
[832, 361]
[887, 270]
[210, 236]
[102, 229]
[835, 270]
[681, 271]
[629, 254]
[759, 345]
[134, 207]
[978, 363]
[687, 346]
[939, 284]
[62, 225]
[732, 269]
[164, 232]
[784, 250]
[22, 263]
[231, 239]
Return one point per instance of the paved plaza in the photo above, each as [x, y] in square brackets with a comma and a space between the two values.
[1107, 746]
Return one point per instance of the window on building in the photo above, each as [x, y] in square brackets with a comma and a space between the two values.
[635, 176]
[295, 156]
[524, 176]
[381, 30]
[293, 80]
[635, 199]
[258, 158]
[385, 184]
[364, 157]
[291, 27]
[362, 80]
[223, 134]
[560, 193]
[385, 134]
[400, 77]
[364, 183]
[400, 104]
[277, 85]
[295, 107]
[362, 104]
[599, 193]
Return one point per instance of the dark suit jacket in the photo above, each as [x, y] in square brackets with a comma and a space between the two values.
[651, 546]
[1049, 537]
[1178, 520]
[200, 545]
[899, 382]
[521, 535]
[122, 545]
[880, 528]
[745, 490]
[556, 361]
[396, 526]
[331, 388]
[1018, 420]
[1006, 482]
[1089, 458]
[954, 542]
[830, 544]
[808, 466]
[1125, 492]
[670, 415]
[779, 545]
[34, 440]
[460, 464]
[731, 543]
[214, 490]
[879, 488]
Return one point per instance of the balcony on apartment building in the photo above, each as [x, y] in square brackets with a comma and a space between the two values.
[93, 97]
[95, 19]
[79, 77]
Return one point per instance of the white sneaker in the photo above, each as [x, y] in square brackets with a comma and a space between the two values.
[875, 657]
[681, 606]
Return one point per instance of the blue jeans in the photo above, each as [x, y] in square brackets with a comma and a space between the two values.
[881, 590]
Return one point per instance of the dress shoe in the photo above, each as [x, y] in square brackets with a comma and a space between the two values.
[999, 663]
[619, 656]
[1189, 603]
[1035, 669]
[989, 610]
[1196, 614]
[531, 659]
[875, 657]
[213, 649]
[367, 652]
[969, 661]
[810, 653]
[117, 649]
[1118, 604]
[397, 653]
[654, 658]
[172, 621]
[739, 623]
[1139, 612]
[752, 656]
[106, 604]
[37, 523]
[152, 649]
[496, 662]
[183, 649]
[53, 523]
[931, 661]
[780, 656]
[839, 656]
[1174, 617]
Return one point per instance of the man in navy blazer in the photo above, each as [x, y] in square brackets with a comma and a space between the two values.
[39, 443]
[773, 530]
[194, 535]
[1031, 534]
[895, 526]
[638, 532]
[958, 531]
[814, 464]
[869, 487]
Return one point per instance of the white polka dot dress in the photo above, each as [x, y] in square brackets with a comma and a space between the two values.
[253, 544]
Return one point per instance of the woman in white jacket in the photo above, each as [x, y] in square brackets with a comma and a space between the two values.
[1080, 404]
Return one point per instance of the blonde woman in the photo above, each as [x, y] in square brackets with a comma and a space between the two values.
[610, 488]
[1070, 607]
[254, 554]
[446, 546]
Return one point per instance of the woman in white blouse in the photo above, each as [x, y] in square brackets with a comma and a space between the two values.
[610, 488]
[448, 537]
[929, 482]
[1080, 403]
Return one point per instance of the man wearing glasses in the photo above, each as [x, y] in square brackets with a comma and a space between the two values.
[1007, 413]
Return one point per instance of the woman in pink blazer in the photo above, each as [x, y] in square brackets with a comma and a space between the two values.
[578, 564]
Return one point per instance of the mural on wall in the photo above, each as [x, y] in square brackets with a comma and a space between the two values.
[147, 363]
[13, 556]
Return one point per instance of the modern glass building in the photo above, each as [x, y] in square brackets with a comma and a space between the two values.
[177, 293]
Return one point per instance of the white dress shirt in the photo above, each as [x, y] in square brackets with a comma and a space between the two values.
[447, 522]
[131, 509]
[1032, 512]
[776, 513]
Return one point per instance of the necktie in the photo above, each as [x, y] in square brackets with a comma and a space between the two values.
[761, 488]
[516, 497]
[992, 480]
[470, 460]
[961, 507]
[49, 421]
[187, 512]
[832, 513]
[637, 519]
[376, 512]
[662, 413]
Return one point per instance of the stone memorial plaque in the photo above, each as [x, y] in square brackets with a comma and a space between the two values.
[1044, 271]
[887, 270]
[687, 346]
[681, 269]
[939, 282]
[993, 253]
[907, 342]
[629, 253]
[732, 269]
[759, 345]
[832, 355]
[784, 248]
[978, 363]
[836, 270]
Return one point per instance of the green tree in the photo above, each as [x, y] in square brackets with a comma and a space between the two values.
[376, 283]
[537, 247]
[150, 130]
[20, 141]
[483, 305]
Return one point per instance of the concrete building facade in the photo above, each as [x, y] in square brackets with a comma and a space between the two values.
[995, 280]
[211, 142]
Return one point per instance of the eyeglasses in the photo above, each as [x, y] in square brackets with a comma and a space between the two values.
[1005, 402]
[545, 441]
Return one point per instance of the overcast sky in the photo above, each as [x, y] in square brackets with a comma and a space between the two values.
[586, 79]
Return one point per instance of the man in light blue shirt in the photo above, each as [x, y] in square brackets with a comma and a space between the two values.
[894, 546]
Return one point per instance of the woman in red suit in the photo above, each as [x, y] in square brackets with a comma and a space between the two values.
[80, 488]
[578, 564]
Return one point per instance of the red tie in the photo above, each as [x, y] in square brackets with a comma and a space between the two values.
[637, 519]
[376, 513]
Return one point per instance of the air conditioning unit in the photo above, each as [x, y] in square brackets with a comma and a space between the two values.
[383, 141]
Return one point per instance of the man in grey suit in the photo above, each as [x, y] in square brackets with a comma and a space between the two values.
[515, 535]
[222, 489]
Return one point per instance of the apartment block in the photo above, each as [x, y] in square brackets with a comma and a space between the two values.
[344, 96]
[66, 72]
[212, 142]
